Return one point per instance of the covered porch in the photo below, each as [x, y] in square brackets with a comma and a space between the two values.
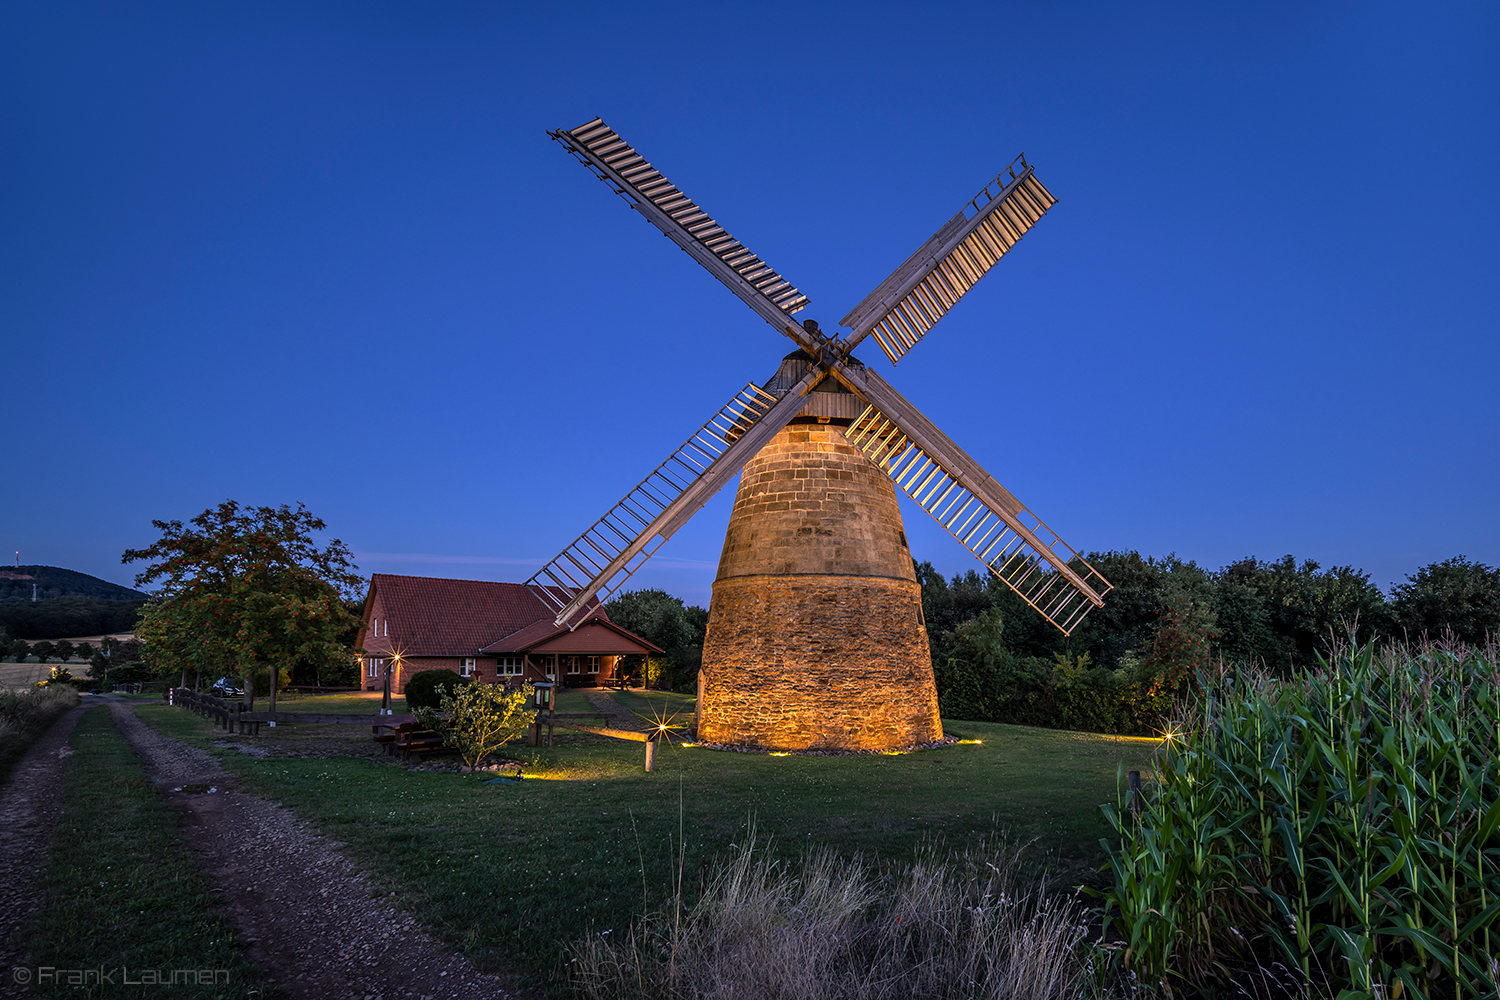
[587, 656]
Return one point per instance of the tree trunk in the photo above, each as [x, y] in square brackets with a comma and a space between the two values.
[275, 676]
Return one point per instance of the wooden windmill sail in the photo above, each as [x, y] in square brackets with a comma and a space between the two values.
[884, 427]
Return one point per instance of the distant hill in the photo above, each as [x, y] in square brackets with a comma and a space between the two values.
[51, 581]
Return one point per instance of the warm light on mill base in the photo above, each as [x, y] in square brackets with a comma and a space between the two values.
[815, 635]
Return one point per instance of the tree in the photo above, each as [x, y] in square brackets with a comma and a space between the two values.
[657, 616]
[975, 678]
[111, 655]
[42, 651]
[20, 649]
[1453, 595]
[247, 589]
[68, 616]
[63, 649]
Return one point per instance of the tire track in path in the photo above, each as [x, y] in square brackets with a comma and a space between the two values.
[312, 920]
[29, 806]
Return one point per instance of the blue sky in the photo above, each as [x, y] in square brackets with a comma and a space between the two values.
[325, 253]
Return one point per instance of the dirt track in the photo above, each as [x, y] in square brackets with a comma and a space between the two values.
[28, 812]
[316, 924]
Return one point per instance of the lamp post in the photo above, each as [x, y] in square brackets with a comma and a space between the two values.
[393, 661]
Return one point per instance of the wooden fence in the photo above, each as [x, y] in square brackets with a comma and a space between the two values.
[231, 714]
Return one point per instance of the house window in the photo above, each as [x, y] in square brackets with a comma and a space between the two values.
[572, 662]
[466, 666]
[592, 666]
[508, 666]
[374, 667]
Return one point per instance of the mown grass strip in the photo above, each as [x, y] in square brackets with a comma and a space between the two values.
[124, 899]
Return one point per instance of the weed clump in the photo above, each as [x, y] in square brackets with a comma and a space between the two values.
[25, 714]
[971, 925]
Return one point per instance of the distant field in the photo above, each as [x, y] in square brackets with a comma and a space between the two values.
[13, 675]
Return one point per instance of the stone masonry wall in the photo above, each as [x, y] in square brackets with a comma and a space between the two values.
[818, 662]
[815, 638]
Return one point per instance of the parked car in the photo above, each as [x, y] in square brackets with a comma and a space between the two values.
[227, 687]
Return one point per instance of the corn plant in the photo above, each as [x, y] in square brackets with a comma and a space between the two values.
[1342, 823]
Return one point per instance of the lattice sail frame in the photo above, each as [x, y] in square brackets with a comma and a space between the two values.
[616, 162]
[1012, 542]
[621, 541]
[901, 309]
[988, 534]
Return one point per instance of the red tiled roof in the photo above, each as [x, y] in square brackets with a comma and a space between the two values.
[596, 634]
[434, 616]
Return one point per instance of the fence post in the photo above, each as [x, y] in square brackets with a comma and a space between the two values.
[650, 754]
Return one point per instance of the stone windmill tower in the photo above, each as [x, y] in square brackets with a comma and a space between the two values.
[815, 635]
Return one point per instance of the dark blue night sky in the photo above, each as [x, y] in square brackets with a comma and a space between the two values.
[322, 252]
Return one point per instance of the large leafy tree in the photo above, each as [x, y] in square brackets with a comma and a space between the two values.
[246, 589]
[1454, 595]
[677, 628]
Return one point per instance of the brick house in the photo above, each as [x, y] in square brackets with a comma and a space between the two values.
[490, 631]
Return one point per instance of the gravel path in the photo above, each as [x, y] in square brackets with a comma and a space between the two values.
[314, 922]
[29, 806]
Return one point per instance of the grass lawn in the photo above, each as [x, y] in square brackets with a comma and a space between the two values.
[513, 872]
[122, 891]
[350, 703]
[654, 705]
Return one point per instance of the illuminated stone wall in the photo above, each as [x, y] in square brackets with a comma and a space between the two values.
[815, 638]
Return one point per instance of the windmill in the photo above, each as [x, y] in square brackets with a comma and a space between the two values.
[815, 635]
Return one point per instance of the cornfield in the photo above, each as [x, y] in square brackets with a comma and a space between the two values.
[1342, 825]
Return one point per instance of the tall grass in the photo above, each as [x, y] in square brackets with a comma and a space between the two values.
[969, 926]
[25, 713]
[1342, 824]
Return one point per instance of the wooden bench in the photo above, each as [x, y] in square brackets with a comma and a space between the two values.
[407, 740]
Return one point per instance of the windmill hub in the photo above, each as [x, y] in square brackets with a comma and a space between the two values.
[828, 402]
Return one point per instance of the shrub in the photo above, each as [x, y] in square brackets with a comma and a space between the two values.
[479, 719]
[1342, 823]
[423, 688]
[63, 676]
[984, 681]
